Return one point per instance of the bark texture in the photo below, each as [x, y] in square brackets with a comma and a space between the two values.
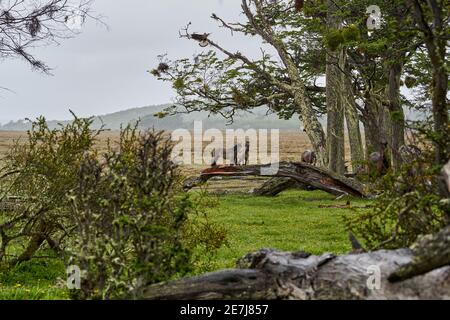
[311, 176]
[270, 274]
[334, 92]
[353, 128]
[275, 186]
[376, 124]
[429, 253]
[397, 116]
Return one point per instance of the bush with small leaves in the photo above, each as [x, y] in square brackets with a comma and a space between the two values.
[134, 225]
[409, 205]
[36, 175]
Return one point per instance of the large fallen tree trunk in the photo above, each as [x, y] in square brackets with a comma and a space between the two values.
[275, 186]
[317, 178]
[270, 274]
[430, 252]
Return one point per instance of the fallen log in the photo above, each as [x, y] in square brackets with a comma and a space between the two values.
[429, 253]
[311, 176]
[275, 186]
[270, 274]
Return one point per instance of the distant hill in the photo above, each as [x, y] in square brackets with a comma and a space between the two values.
[257, 119]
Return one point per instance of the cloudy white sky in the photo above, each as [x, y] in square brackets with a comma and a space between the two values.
[102, 71]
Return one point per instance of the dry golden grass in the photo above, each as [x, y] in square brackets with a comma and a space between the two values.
[292, 144]
[7, 139]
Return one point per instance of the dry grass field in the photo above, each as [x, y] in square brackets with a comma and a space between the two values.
[292, 144]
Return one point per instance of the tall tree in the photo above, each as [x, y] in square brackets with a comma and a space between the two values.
[432, 19]
[353, 123]
[376, 64]
[312, 39]
[335, 90]
[239, 83]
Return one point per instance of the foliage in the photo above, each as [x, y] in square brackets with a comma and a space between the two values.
[39, 172]
[133, 226]
[409, 205]
[120, 215]
[235, 82]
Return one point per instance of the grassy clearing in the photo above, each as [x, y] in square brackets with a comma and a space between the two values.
[39, 279]
[291, 221]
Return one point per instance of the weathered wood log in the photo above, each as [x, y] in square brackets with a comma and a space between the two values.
[270, 274]
[429, 253]
[226, 284]
[275, 186]
[309, 175]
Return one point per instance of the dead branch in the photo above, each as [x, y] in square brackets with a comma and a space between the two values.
[315, 177]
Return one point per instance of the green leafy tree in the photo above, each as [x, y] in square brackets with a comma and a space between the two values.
[225, 81]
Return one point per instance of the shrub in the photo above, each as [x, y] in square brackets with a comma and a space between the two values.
[134, 226]
[409, 205]
[120, 215]
[39, 172]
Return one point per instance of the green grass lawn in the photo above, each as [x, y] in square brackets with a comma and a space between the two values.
[292, 221]
[38, 279]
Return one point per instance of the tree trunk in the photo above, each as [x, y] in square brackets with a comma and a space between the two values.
[312, 126]
[33, 245]
[436, 45]
[444, 188]
[440, 114]
[270, 274]
[353, 128]
[385, 126]
[377, 125]
[335, 107]
[372, 125]
[397, 115]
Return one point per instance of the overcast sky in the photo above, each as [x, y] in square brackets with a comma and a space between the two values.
[102, 71]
